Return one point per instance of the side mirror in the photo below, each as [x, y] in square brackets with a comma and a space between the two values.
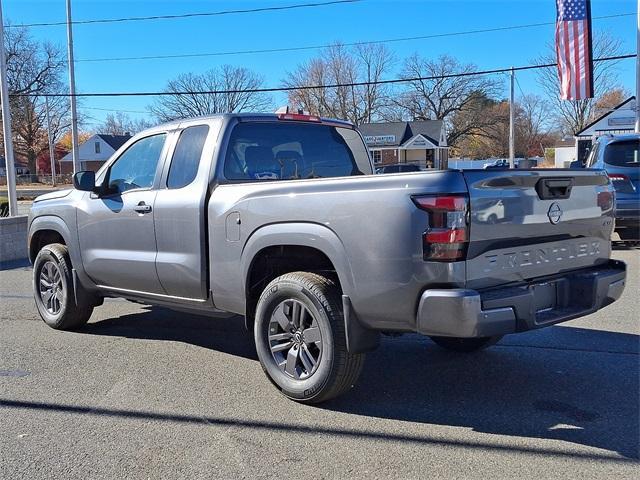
[85, 181]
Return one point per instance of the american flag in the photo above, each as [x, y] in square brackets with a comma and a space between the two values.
[573, 48]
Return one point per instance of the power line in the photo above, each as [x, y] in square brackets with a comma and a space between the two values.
[314, 87]
[186, 15]
[113, 110]
[316, 47]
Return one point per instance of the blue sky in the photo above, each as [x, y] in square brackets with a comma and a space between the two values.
[362, 21]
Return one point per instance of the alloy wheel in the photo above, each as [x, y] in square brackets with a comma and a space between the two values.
[295, 339]
[51, 288]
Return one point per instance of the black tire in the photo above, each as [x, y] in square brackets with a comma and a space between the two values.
[335, 370]
[57, 306]
[493, 219]
[465, 345]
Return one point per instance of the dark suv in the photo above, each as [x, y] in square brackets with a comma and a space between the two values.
[619, 155]
[398, 168]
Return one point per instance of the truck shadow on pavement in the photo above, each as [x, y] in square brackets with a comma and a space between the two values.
[563, 383]
[227, 335]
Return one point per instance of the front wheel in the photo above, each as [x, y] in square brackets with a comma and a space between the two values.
[53, 290]
[465, 345]
[300, 338]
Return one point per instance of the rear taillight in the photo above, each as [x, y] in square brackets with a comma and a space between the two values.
[618, 177]
[447, 234]
[605, 200]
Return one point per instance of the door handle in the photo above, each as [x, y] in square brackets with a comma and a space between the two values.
[142, 208]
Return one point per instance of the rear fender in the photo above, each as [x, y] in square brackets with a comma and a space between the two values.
[310, 235]
[319, 237]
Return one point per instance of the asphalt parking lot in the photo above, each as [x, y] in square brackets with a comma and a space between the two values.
[143, 392]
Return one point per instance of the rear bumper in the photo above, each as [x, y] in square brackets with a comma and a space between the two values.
[627, 213]
[628, 227]
[536, 304]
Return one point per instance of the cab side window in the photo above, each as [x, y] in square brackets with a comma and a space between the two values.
[136, 167]
[186, 157]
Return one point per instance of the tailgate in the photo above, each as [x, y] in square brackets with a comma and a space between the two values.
[533, 223]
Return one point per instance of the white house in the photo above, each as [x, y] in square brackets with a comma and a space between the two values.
[618, 120]
[94, 152]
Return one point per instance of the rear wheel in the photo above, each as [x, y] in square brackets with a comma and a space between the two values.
[53, 290]
[465, 345]
[300, 338]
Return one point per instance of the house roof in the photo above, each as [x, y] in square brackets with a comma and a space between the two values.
[399, 133]
[430, 129]
[114, 141]
[577, 134]
[565, 142]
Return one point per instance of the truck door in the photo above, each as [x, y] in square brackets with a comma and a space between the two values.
[180, 214]
[116, 229]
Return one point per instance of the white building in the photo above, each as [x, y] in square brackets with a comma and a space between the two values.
[619, 120]
[564, 152]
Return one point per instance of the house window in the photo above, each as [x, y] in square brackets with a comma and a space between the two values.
[377, 156]
[97, 147]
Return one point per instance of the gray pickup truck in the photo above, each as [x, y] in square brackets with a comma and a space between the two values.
[278, 217]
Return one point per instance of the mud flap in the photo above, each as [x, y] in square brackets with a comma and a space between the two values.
[359, 339]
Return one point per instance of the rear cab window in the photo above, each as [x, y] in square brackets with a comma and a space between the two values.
[186, 156]
[624, 153]
[264, 151]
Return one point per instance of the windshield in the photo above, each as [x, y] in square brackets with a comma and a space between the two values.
[623, 154]
[287, 151]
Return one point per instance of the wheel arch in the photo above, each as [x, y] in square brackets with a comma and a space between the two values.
[46, 230]
[293, 247]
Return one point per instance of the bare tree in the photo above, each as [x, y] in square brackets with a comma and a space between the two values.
[438, 89]
[532, 125]
[186, 99]
[338, 65]
[34, 68]
[573, 116]
[489, 137]
[119, 123]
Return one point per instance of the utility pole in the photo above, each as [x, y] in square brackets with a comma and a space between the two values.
[72, 92]
[512, 128]
[52, 151]
[638, 70]
[6, 126]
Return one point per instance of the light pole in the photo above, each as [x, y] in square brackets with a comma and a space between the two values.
[72, 92]
[638, 70]
[6, 126]
[512, 128]
[52, 151]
